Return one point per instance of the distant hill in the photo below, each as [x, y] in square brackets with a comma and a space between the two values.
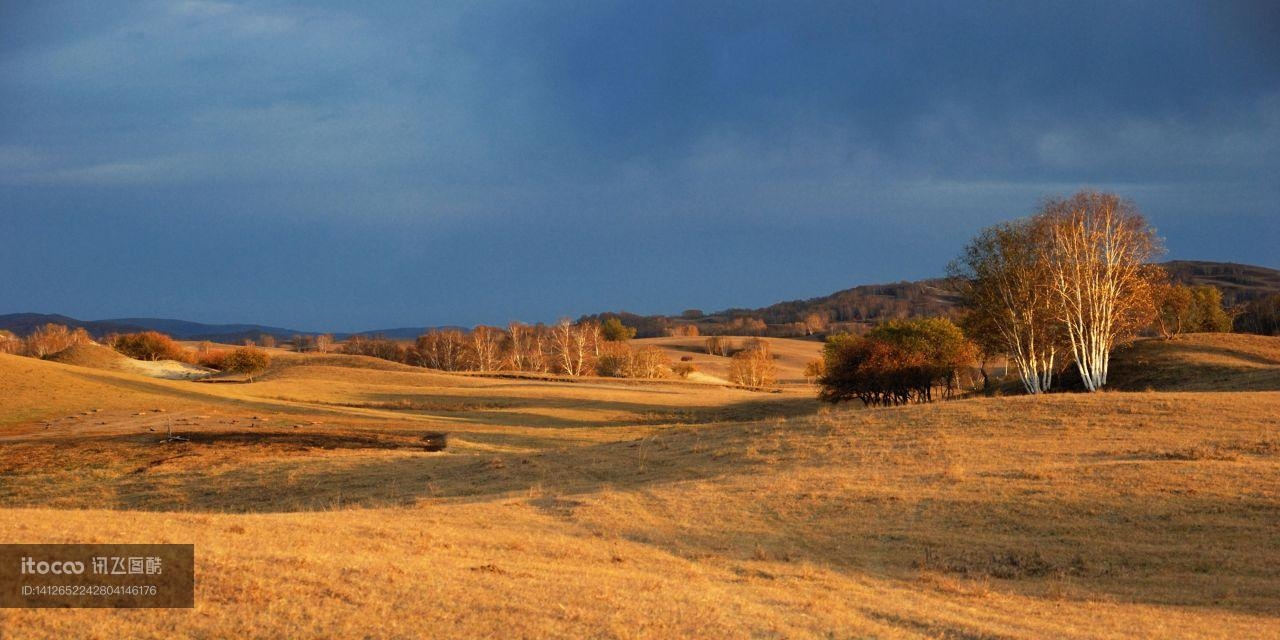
[25, 323]
[1194, 362]
[1239, 283]
[185, 330]
[867, 305]
[849, 309]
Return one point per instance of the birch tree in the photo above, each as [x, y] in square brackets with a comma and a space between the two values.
[1098, 249]
[572, 347]
[1005, 281]
[485, 345]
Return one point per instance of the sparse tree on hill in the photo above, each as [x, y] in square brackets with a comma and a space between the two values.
[814, 323]
[324, 343]
[1099, 248]
[376, 347]
[688, 330]
[249, 361]
[718, 346]
[303, 343]
[753, 366]
[612, 330]
[52, 338]
[9, 343]
[267, 340]
[814, 370]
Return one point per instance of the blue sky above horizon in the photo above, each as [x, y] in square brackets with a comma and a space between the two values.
[332, 165]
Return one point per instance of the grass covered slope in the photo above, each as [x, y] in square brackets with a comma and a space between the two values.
[1199, 362]
[789, 355]
[632, 510]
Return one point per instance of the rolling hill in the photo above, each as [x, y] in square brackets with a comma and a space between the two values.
[608, 508]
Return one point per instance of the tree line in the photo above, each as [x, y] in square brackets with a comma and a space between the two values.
[565, 348]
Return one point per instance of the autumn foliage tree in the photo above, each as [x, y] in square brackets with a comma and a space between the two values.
[248, 361]
[1074, 278]
[620, 360]
[375, 347]
[444, 350]
[9, 342]
[1182, 309]
[1098, 254]
[52, 338]
[148, 345]
[1004, 278]
[484, 349]
[612, 330]
[753, 366]
[899, 362]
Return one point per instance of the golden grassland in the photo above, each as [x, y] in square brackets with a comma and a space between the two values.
[789, 355]
[614, 509]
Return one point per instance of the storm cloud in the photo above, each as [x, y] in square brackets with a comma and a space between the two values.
[336, 166]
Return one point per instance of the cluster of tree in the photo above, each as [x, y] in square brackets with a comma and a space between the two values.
[322, 343]
[1182, 309]
[620, 360]
[9, 342]
[1261, 316]
[148, 345]
[719, 346]
[567, 348]
[1074, 279]
[753, 365]
[43, 341]
[898, 362]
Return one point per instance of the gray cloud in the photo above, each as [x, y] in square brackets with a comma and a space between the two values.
[528, 160]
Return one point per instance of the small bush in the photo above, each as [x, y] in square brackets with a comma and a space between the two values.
[148, 345]
[247, 360]
[213, 359]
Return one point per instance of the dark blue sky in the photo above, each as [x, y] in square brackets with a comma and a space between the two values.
[336, 166]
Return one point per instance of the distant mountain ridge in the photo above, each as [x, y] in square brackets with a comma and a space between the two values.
[867, 305]
[864, 304]
[25, 323]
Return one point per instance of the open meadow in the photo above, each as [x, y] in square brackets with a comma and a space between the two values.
[658, 509]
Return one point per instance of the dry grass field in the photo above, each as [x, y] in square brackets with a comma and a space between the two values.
[789, 356]
[609, 508]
